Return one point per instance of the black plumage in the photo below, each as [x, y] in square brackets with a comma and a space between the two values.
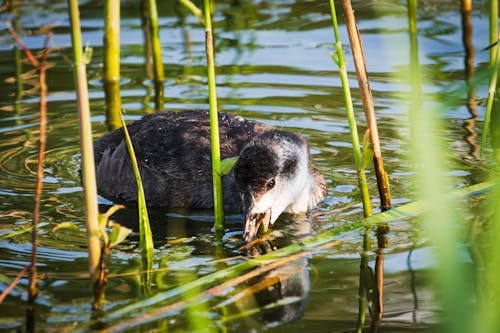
[273, 173]
[173, 153]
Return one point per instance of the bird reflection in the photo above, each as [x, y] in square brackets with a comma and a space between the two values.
[276, 296]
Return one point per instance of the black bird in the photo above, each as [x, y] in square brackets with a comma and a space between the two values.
[272, 175]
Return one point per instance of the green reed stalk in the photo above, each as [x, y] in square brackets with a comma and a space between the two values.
[148, 55]
[493, 29]
[340, 60]
[157, 57]
[491, 98]
[414, 67]
[111, 72]
[86, 145]
[148, 52]
[214, 123]
[362, 292]
[494, 59]
[366, 94]
[451, 277]
[488, 305]
[358, 157]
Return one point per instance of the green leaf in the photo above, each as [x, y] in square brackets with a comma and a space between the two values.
[103, 221]
[118, 234]
[195, 10]
[335, 58]
[367, 156]
[66, 225]
[146, 237]
[227, 164]
[113, 209]
[21, 231]
[87, 54]
[104, 218]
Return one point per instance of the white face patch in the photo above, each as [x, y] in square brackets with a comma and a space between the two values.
[284, 194]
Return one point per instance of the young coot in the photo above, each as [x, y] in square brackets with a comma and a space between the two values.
[272, 175]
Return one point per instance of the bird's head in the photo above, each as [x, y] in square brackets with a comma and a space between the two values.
[272, 174]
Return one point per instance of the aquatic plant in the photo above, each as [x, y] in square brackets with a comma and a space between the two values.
[146, 237]
[111, 63]
[117, 235]
[339, 59]
[445, 219]
[156, 52]
[193, 9]
[494, 68]
[214, 123]
[41, 68]
[86, 145]
[366, 94]
[493, 31]
[362, 160]
[492, 89]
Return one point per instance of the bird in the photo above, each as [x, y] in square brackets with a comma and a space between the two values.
[272, 174]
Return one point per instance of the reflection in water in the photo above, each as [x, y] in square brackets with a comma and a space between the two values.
[371, 281]
[276, 296]
[413, 285]
[281, 293]
[469, 124]
[378, 308]
[113, 104]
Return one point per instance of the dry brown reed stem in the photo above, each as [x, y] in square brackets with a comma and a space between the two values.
[13, 284]
[366, 94]
[41, 67]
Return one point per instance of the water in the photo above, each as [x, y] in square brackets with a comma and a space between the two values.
[273, 65]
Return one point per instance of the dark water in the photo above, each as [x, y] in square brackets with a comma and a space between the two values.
[273, 65]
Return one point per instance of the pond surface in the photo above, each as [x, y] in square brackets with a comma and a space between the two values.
[273, 65]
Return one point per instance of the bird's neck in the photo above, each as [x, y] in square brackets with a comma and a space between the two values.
[312, 192]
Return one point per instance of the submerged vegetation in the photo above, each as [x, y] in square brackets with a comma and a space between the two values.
[227, 289]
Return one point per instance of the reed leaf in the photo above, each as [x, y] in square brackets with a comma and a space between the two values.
[193, 9]
[146, 237]
[21, 231]
[227, 165]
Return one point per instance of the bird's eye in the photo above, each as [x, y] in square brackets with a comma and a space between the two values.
[270, 184]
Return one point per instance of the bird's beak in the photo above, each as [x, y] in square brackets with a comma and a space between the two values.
[254, 221]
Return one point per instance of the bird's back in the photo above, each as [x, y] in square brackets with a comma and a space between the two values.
[173, 152]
